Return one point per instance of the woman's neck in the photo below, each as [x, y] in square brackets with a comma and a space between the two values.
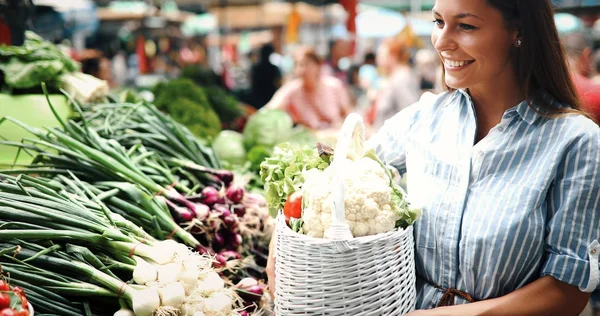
[310, 85]
[492, 99]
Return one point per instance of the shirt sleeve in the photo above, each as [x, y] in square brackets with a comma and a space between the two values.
[573, 218]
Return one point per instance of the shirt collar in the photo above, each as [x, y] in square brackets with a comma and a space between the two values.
[523, 109]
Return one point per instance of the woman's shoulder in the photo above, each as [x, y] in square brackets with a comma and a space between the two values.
[331, 82]
[572, 125]
[428, 104]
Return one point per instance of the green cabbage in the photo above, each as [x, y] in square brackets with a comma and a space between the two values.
[229, 147]
[267, 128]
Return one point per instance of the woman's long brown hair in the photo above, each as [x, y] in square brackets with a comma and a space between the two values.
[540, 62]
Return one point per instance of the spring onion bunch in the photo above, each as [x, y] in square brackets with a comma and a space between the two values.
[73, 245]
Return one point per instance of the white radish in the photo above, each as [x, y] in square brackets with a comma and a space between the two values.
[124, 312]
[144, 272]
[189, 278]
[218, 303]
[210, 282]
[170, 272]
[196, 261]
[247, 282]
[160, 255]
[172, 295]
[145, 302]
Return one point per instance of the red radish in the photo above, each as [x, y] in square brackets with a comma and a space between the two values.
[239, 210]
[211, 196]
[224, 175]
[202, 211]
[4, 286]
[230, 255]
[235, 193]
[8, 312]
[4, 301]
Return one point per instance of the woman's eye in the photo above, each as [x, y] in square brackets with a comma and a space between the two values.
[438, 22]
[467, 27]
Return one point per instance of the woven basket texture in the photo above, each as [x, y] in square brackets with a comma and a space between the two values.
[371, 275]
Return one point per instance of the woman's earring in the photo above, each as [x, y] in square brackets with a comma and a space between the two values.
[518, 43]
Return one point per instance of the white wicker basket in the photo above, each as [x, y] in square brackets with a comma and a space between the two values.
[371, 275]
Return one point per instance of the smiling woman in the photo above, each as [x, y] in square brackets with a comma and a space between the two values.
[505, 166]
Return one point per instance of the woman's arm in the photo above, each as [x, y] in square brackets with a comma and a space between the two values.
[543, 297]
[280, 100]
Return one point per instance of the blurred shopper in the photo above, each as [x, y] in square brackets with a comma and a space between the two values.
[265, 77]
[316, 101]
[579, 56]
[368, 74]
[427, 65]
[338, 49]
[403, 86]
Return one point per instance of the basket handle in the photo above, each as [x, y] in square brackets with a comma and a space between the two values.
[350, 141]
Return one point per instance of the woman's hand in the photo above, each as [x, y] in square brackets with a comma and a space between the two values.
[270, 269]
[419, 313]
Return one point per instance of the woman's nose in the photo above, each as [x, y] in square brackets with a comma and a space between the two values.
[442, 39]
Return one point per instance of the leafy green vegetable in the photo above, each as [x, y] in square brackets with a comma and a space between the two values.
[22, 75]
[223, 103]
[282, 173]
[201, 121]
[188, 105]
[401, 207]
[257, 155]
[229, 147]
[167, 92]
[267, 128]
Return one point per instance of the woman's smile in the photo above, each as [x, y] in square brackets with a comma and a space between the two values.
[455, 65]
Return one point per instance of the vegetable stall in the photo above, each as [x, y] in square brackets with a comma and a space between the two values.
[119, 209]
[125, 206]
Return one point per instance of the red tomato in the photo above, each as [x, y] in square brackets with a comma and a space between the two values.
[8, 312]
[18, 290]
[4, 286]
[23, 312]
[293, 206]
[4, 301]
[24, 301]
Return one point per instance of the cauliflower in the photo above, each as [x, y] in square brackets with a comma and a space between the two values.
[373, 203]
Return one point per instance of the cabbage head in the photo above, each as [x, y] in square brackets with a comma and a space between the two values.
[229, 147]
[267, 128]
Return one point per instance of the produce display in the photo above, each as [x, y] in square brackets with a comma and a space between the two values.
[205, 110]
[244, 152]
[13, 300]
[112, 187]
[26, 67]
[299, 182]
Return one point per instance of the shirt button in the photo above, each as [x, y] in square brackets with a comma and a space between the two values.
[593, 251]
[501, 129]
[480, 153]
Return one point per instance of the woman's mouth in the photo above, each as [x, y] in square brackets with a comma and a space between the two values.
[457, 64]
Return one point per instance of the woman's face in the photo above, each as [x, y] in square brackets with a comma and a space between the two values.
[473, 41]
[306, 68]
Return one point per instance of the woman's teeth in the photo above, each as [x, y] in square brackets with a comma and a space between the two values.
[454, 63]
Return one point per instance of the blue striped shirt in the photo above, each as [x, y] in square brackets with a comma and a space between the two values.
[522, 203]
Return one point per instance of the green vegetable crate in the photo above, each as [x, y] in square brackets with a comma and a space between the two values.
[33, 110]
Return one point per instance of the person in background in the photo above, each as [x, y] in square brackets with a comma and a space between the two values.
[316, 101]
[579, 57]
[338, 49]
[368, 74]
[265, 78]
[427, 65]
[356, 90]
[403, 87]
[596, 76]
